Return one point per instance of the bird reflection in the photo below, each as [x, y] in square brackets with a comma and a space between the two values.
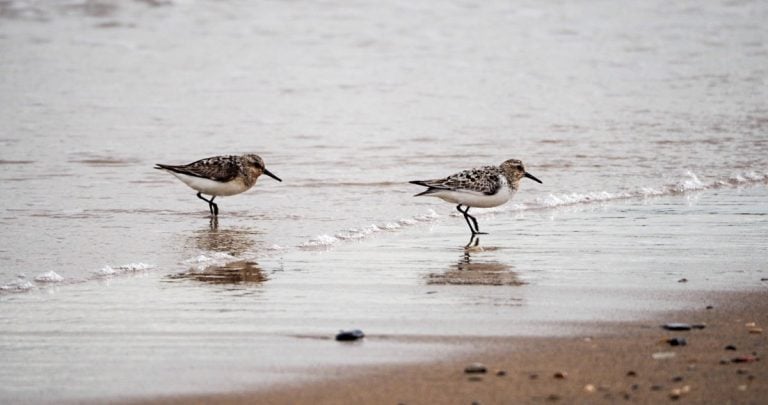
[472, 272]
[231, 241]
[241, 271]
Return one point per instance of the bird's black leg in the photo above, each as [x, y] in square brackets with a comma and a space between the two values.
[473, 242]
[474, 220]
[458, 207]
[211, 205]
[214, 207]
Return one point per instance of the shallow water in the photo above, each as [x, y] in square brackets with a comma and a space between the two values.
[647, 122]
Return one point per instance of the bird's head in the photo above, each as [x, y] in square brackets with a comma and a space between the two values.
[255, 162]
[514, 171]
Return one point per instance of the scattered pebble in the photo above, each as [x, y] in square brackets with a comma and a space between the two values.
[742, 371]
[676, 326]
[631, 373]
[533, 376]
[589, 388]
[663, 355]
[560, 375]
[764, 279]
[730, 347]
[742, 387]
[677, 341]
[724, 361]
[553, 397]
[501, 373]
[750, 324]
[475, 368]
[710, 307]
[691, 367]
[475, 378]
[677, 378]
[743, 359]
[682, 280]
[699, 325]
[656, 387]
[475, 402]
[755, 330]
[350, 335]
[635, 387]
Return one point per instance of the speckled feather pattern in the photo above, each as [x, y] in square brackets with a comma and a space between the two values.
[484, 180]
[218, 168]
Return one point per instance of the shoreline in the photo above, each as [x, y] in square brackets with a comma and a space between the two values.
[628, 361]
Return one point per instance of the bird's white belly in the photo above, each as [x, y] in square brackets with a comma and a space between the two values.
[212, 187]
[474, 199]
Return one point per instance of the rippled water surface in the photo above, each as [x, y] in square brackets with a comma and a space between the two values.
[646, 121]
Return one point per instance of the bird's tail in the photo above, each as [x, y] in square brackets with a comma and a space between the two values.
[424, 183]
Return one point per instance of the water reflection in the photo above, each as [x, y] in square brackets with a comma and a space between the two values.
[241, 271]
[234, 242]
[470, 271]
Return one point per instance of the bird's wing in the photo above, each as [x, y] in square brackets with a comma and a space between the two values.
[219, 168]
[485, 180]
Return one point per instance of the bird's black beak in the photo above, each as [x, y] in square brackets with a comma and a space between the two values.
[530, 176]
[268, 173]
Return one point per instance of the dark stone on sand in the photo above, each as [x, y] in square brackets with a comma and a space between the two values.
[553, 397]
[744, 359]
[710, 307]
[475, 378]
[677, 341]
[631, 373]
[699, 325]
[475, 402]
[742, 371]
[682, 280]
[501, 373]
[475, 368]
[730, 347]
[635, 387]
[657, 387]
[677, 378]
[764, 279]
[677, 326]
[350, 335]
[533, 376]
[724, 361]
[560, 375]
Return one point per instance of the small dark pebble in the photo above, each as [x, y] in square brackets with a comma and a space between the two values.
[501, 373]
[560, 375]
[730, 347]
[750, 377]
[626, 395]
[677, 378]
[764, 279]
[724, 361]
[677, 341]
[682, 280]
[475, 402]
[635, 387]
[676, 326]
[475, 368]
[350, 335]
[699, 325]
[553, 397]
[475, 378]
[631, 374]
[533, 376]
[710, 307]
[742, 371]
[743, 359]
[656, 387]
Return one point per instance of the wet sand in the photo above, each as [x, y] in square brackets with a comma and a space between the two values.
[612, 362]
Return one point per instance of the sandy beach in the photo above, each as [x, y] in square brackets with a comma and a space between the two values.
[633, 362]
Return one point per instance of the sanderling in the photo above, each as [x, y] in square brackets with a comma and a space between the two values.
[220, 176]
[483, 187]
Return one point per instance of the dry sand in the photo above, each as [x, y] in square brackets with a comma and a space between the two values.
[614, 363]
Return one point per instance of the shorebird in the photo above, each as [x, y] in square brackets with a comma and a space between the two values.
[482, 187]
[220, 176]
